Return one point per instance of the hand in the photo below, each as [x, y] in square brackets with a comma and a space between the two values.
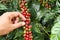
[10, 21]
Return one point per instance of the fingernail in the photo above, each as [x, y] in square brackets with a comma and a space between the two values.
[23, 23]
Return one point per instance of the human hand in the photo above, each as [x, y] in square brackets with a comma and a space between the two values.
[10, 21]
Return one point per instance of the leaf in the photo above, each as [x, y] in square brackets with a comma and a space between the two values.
[34, 7]
[15, 4]
[48, 16]
[53, 37]
[55, 31]
[57, 19]
[10, 36]
[19, 33]
[2, 38]
[37, 35]
[40, 14]
[36, 27]
[33, 14]
[40, 37]
[57, 4]
[3, 7]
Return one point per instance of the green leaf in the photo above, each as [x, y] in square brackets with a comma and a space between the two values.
[49, 16]
[2, 38]
[36, 27]
[55, 31]
[10, 36]
[57, 19]
[54, 37]
[40, 37]
[37, 35]
[19, 33]
[3, 7]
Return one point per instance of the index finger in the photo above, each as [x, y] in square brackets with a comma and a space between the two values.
[15, 14]
[21, 16]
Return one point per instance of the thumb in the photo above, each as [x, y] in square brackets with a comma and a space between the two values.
[17, 25]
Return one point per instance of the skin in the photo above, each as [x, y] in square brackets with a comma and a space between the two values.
[10, 21]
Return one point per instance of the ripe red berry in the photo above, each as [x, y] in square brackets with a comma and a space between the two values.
[28, 14]
[27, 17]
[27, 22]
[30, 32]
[22, 5]
[30, 39]
[24, 35]
[30, 26]
[24, 2]
[25, 9]
[26, 28]
[26, 25]
[24, 13]
[26, 38]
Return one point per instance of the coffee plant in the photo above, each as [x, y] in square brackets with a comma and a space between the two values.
[43, 19]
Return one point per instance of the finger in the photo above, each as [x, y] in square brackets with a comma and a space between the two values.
[17, 25]
[10, 14]
[21, 16]
[15, 14]
[17, 20]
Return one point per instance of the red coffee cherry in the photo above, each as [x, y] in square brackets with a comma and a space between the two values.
[22, 5]
[25, 9]
[26, 28]
[24, 13]
[24, 35]
[30, 26]
[30, 32]
[28, 14]
[27, 22]
[27, 36]
[30, 39]
[27, 17]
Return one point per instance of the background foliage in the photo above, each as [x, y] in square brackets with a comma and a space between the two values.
[45, 20]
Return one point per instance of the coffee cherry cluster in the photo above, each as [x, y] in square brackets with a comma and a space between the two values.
[27, 28]
[45, 4]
